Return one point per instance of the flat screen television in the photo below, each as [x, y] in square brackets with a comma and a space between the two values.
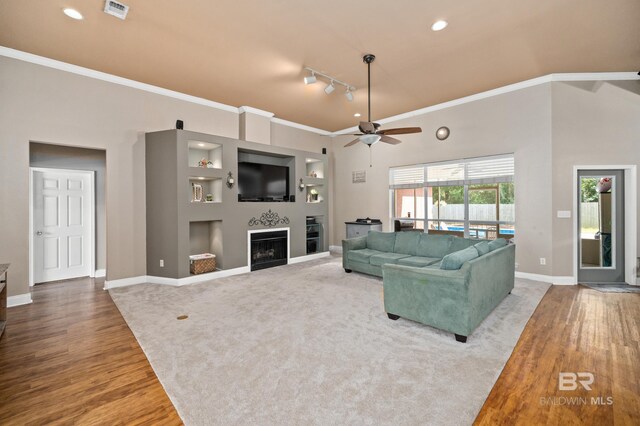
[262, 182]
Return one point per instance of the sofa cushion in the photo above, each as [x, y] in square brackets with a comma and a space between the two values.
[497, 243]
[418, 261]
[434, 245]
[382, 258]
[381, 241]
[458, 244]
[362, 255]
[482, 247]
[456, 259]
[406, 243]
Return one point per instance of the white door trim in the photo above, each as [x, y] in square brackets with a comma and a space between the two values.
[630, 218]
[92, 213]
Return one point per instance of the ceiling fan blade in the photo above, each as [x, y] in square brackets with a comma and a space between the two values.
[388, 139]
[367, 127]
[400, 131]
[353, 142]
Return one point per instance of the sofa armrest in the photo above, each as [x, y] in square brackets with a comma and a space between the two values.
[431, 296]
[356, 243]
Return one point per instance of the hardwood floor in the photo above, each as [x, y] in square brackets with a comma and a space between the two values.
[69, 358]
[574, 329]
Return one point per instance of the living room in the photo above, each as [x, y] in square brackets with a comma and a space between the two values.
[554, 103]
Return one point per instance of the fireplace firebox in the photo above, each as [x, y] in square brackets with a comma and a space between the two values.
[268, 249]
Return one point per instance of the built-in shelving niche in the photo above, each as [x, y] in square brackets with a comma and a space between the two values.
[315, 234]
[315, 168]
[212, 186]
[206, 237]
[211, 153]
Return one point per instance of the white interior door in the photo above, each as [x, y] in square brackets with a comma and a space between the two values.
[62, 210]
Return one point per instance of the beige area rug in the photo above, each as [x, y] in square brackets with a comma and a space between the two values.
[309, 344]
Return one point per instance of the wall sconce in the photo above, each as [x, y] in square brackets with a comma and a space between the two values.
[230, 180]
[301, 185]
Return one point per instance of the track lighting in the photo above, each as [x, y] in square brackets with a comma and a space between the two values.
[332, 82]
[311, 78]
[330, 88]
[349, 95]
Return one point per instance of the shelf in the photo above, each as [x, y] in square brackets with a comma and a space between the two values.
[211, 186]
[309, 181]
[207, 151]
[315, 165]
[206, 237]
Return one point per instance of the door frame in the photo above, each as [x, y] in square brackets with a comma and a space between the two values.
[630, 218]
[92, 214]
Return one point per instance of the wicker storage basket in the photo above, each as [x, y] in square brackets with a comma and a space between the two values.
[202, 263]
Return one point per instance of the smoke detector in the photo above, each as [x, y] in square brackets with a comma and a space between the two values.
[115, 8]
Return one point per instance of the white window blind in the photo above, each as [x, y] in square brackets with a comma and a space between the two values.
[446, 174]
[490, 170]
[406, 177]
[484, 170]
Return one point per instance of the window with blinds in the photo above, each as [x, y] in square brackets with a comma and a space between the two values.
[472, 197]
[473, 171]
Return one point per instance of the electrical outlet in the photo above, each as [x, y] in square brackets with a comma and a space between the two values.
[517, 265]
[543, 261]
[162, 263]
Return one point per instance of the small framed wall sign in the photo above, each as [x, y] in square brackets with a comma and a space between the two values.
[359, 176]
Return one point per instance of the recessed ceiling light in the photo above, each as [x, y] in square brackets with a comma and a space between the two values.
[439, 25]
[357, 114]
[72, 13]
[200, 144]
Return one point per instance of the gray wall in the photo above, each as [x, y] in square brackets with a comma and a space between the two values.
[517, 122]
[47, 105]
[549, 128]
[170, 236]
[64, 157]
[593, 124]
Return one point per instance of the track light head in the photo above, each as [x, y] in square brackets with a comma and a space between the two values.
[330, 88]
[310, 79]
[349, 95]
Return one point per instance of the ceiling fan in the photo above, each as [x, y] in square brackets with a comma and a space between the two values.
[371, 132]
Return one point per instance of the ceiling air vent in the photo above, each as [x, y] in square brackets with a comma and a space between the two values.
[117, 9]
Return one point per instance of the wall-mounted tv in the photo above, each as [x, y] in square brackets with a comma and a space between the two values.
[262, 182]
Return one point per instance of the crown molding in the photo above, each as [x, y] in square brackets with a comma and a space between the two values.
[110, 78]
[255, 111]
[301, 126]
[599, 76]
[98, 75]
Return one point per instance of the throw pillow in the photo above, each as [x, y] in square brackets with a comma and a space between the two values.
[483, 248]
[497, 243]
[456, 259]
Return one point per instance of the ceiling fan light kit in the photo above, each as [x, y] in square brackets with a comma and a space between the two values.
[370, 131]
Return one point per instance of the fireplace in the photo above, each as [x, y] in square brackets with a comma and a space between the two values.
[268, 249]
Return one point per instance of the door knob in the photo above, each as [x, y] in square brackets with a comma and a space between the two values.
[39, 233]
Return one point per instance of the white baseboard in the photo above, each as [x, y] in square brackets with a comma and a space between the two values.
[546, 278]
[100, 273]
[19, 299]
[309, 257]
[335, 249]
[177, 282]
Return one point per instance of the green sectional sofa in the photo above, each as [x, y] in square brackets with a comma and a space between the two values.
[447, 282]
